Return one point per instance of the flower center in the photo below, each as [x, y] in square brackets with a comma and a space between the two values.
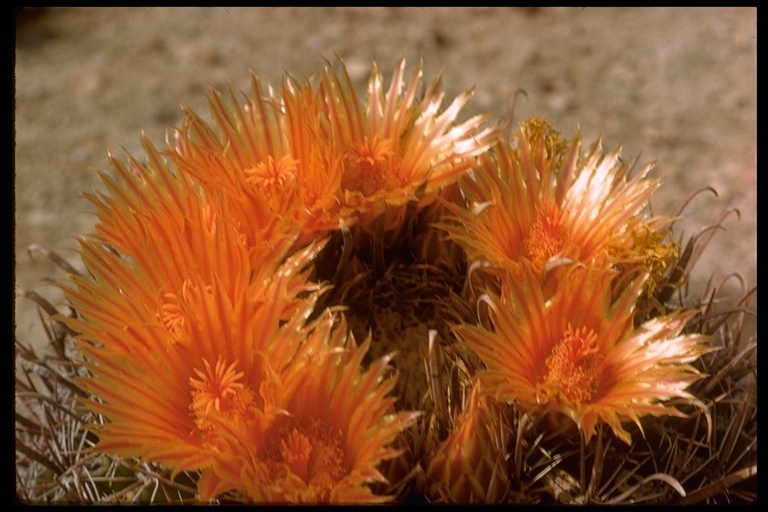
[218, 394]
[310, 451]
[574, 365]
[547, 235]
[271, 176]
[367, 165]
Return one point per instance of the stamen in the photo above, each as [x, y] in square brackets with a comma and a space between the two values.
[574, 365]
[367, 167]
[547, 236]
[311, 451]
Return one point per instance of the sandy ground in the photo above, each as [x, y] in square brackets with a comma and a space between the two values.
[674, 85]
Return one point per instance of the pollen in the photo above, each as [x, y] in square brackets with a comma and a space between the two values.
[547, 236]
[311, 451]
[575, 366]
[368, 166]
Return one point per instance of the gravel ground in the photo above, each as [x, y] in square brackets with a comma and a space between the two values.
[673, 85]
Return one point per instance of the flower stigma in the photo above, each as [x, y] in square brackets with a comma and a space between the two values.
[271, 176]
[172, 316]
[219, 394]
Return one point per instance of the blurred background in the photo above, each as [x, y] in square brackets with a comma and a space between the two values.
[672, 85]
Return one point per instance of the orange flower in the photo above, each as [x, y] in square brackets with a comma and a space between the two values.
[579, 354]
[534, 200]
[318, 169]
[396, 148]
[334, 427]
[320, 158]
[265, 157]
[181, 316]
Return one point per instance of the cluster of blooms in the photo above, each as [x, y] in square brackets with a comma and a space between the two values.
[569, 269]
[571, 255]
[217, 320]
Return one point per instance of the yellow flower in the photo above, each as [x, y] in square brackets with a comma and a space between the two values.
[533, 200]
[395, 147]
[334, 427]
[578, 353]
